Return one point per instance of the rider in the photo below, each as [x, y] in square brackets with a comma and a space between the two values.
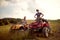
[24, 22]
[39, 15]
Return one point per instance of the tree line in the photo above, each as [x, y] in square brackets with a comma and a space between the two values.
[6, 21]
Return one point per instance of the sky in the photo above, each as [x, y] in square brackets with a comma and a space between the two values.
[21, 8]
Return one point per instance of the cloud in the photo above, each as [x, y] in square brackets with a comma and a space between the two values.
[13, 1]
[16, 1]
[31, 6]
[3, 3]
[22, 4]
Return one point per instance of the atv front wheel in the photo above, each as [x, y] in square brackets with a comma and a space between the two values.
[46, 31]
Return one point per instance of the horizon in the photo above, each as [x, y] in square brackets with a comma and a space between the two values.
[28, 19]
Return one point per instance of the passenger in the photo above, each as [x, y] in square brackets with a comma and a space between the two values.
[24, 22]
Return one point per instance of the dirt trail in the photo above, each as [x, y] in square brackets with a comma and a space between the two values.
[55, 36]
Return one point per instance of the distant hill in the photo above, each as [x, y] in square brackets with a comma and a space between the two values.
[5, 21]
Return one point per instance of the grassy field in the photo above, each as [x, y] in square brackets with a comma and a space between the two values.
[23, 35]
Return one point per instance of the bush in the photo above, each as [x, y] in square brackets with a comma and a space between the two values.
[6, 21]
[1, 23]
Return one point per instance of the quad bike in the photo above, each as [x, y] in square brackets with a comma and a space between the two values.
[38, 28]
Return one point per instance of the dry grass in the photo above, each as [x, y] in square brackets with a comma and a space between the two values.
[23, 35]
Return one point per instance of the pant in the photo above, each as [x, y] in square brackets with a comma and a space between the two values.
[38, 19]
